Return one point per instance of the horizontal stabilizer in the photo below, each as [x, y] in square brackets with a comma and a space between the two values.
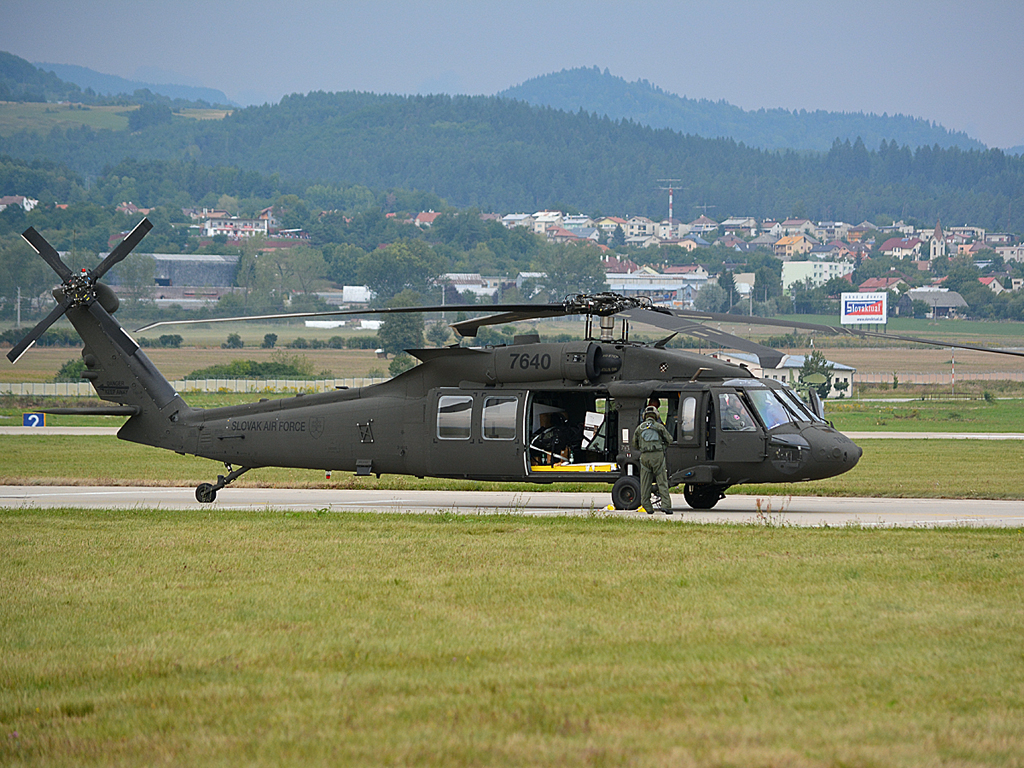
[98, 410]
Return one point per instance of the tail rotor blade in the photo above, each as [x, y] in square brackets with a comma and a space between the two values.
[50, 256]
[22, 346]
[123, 248]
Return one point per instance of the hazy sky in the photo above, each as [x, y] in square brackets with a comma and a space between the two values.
[958, 63]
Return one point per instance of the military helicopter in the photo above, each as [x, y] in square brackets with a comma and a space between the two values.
[527, 411]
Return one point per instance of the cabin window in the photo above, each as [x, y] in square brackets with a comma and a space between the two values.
[688, 418]
[454, 417]
[500, 418]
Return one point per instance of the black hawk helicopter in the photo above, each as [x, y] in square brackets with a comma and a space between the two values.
[528, 411]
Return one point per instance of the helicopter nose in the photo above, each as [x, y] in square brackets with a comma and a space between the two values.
[836, 450]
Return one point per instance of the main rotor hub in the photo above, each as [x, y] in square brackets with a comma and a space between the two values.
[603, 304]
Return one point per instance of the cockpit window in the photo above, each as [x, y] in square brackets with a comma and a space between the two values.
[797, 407]
[733, 414]
[769, 407]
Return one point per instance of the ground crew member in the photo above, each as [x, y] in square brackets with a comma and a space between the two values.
[651, 439]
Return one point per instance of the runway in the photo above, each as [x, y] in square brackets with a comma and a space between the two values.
[796, 511]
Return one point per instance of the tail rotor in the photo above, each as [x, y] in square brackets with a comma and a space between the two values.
[81, 289]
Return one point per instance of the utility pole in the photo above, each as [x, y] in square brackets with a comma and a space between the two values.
[17, 322]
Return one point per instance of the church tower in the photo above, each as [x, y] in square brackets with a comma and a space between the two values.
[938, 244]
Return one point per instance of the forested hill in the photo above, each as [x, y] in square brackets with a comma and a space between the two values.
[504, 155]
[21, 81]
[600, 92]
[112, 85]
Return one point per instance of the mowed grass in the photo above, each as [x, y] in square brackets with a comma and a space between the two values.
[980, 469]
[959, 416]
[43, 117]
[263, 638]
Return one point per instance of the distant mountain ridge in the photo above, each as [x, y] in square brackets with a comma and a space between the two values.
[112, 85]
[602, 93]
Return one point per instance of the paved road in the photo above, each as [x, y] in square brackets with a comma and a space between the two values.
[779, 510]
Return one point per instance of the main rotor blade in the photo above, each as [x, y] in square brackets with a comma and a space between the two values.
[975, 347]
[348, 312]
[833, 330]
[22, 346]
[123, 248]
[768, 357]
[471, 326]
[50, 256]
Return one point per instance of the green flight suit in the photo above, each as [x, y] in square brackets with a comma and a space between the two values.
[652, 464]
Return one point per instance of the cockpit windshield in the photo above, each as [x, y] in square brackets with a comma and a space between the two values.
[797, 407]
[776, 405]
[769, 407]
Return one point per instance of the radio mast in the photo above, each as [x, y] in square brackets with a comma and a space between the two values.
[672, 184]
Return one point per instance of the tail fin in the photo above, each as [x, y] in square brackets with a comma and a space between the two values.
[131, 379]
[119, 371]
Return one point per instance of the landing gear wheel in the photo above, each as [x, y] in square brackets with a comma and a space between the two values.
[702, 496]
[626, 493]
[205, 493]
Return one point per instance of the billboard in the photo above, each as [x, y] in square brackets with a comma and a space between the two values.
[863, 309]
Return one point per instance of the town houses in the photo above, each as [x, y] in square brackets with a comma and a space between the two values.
[810, 254]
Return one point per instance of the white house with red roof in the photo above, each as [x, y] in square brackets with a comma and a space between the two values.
[992, 283]
[901, 247]
[425, 218]
[880, 284]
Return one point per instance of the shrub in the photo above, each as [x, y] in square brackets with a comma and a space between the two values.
[71, 370]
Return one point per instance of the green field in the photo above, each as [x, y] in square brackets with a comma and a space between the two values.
[961, 416]
[42, 117]
[267, 638]
[979, 469]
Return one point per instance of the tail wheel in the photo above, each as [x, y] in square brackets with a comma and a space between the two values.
[703, 496]
[626, 493]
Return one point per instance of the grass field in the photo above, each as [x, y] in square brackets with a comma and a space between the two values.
[42, 117]
[889, 468]
[198, 638]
